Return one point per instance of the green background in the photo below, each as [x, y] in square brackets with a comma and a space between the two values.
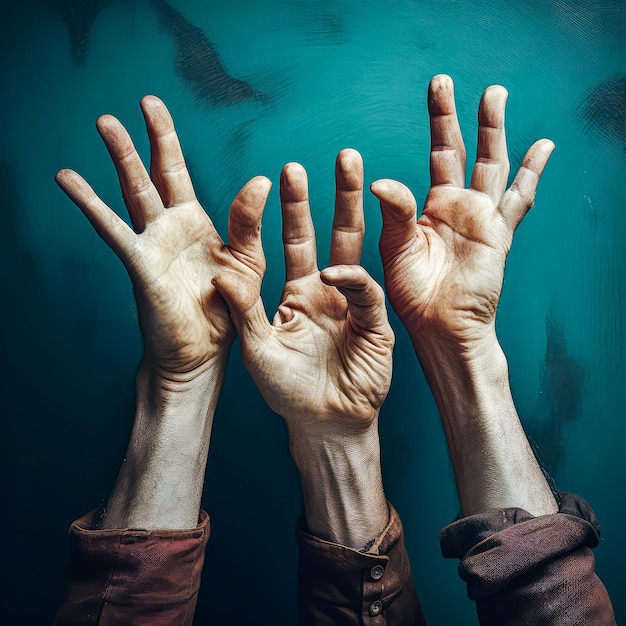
[329, 74]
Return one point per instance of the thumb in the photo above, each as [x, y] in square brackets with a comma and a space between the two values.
[242, 295]
[399, 212]
[365, 297]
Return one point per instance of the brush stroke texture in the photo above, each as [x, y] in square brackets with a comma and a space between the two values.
[198, 63]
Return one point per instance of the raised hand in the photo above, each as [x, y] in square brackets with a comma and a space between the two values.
[327, 355]
[444, 271]
[172, 254]
[443, 276]
[324, 363]
[173, 251]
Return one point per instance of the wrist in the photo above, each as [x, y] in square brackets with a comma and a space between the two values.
[180, 408]
[467, 345]
[341, 478]
[464, 376]
[182, 380]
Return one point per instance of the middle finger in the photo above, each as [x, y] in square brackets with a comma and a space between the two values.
[298, 232]
[348, 223]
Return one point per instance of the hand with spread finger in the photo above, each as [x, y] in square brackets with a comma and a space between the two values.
[443, 271]
[443, 276]
[172, 252]
[324, 363]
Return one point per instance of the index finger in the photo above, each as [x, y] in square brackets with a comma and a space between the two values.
[348, 223]
[298, 232]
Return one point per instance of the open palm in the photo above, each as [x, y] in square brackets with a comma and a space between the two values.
[173, 251]
[326, 358]
[444, 271]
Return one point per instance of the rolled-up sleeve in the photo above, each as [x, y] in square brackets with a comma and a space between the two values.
[522, 569]
[341, 586]
[132, 576]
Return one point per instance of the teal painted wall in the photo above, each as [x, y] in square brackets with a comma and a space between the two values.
[332, 74]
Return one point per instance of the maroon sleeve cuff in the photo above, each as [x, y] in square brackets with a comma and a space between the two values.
[524, 569]
[341, 586]
[133, 576]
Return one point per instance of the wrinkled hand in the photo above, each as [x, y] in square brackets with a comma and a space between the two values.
[444, 272]
[326, 358]
[173, 251]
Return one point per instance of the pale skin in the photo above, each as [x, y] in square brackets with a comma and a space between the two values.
[324, 363]
[443, 277]
[328, 359]
[172, 253]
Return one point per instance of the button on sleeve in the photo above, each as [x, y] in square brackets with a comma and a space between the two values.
[376, 607]
[377, 572]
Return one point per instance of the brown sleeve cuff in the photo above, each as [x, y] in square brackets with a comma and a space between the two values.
[540, 569]
[133, 576]
[342, 586]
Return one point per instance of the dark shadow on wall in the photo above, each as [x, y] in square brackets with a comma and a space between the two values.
[19, 264]
[79, 17]
[604, 109]
[561, 394]
[66, 403]
[197, 60]
[198, 63]
[25, 388]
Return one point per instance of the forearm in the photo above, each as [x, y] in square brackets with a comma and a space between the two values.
[493, 462]
[160, 481]
[340, 472]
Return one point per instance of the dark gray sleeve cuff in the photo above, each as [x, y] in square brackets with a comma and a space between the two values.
[522, 569]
